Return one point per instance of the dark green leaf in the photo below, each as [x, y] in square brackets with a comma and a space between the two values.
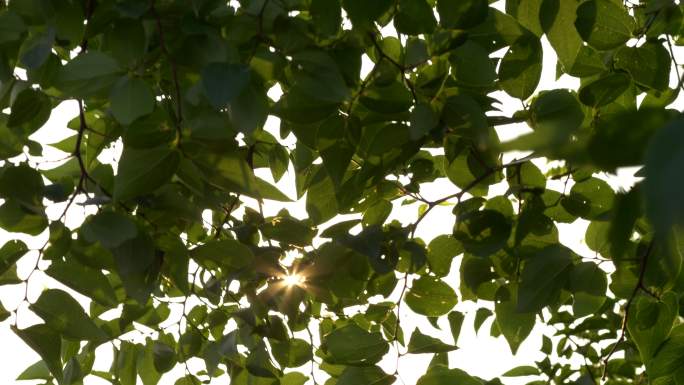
[352, 345]
[455, 323]
[430, 297]
[164, 357]
[461, 14]
[515, 326]
[415, 17]
[604, 89]
[604, 24]
[10, 253]
[522, 371]
[421, 343]
[649, 335]
[292, 353]
[110, 228]
[47, 343]
[441, 251]
[649, 64]
[85, 280]
[371, 375]
[89, 73]
[143, 171]
[223, 82]
[131, 99]
[62, 313]
[542, 278]
[472, 66]
[520, 69]
[138, 266]
[440, 375]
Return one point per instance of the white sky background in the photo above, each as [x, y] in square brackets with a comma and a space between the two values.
[479, 354]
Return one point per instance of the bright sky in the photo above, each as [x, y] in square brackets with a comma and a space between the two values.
[479, 354]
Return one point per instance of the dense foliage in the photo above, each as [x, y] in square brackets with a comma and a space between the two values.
[181, 86]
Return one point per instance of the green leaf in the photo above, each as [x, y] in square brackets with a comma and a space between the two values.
[137, 265]
[294, 378]
[131, 98]
[288, 230]
[415, 17]
[4, 314]
[47, 343]
[10, 253]
[321, 202]
[30, 110]
[648, 336]
[649, 64]
[664, 157]
[471, 65]
[87, 281]
[62, 313]
[588, 278]
[440, 375]
[555, 116]
[164, 357]
[431, 297]
[351, 345]
[387, 99]
[483, 233]
[441, 251]
[455, 323]
[527, 14]
[37, 371]
[543, 276]
[145, 366]
[666, 363]
[12, 27]
[326, 16]
[604, 24]
[481, 316]
[461, 14]
[316, 74]
[110, 228]
[125, 363]
[142, 171]
[87, 74]
[604, 89]
[588, 284]
[36, 49]
[558, 22]
[522, 371]
[223, 82]
[371, 375]
[227, 254]
[589, 199]
[515, 326]
[292, 353]
[520, 69]
[22, 184]
[298, 107]
[17, 218]
[421, 343]
[363, 13]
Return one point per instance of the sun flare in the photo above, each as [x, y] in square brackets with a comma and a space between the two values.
[294, 280]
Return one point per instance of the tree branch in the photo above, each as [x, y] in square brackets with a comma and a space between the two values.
[174, 69]
[466, 189]
[630, 300]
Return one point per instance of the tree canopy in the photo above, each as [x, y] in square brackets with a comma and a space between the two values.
[367, 122]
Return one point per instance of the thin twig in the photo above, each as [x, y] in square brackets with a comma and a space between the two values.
[467, 188]
[630, 300]
[174, 69]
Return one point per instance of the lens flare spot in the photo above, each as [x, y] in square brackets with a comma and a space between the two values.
[294, 280]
